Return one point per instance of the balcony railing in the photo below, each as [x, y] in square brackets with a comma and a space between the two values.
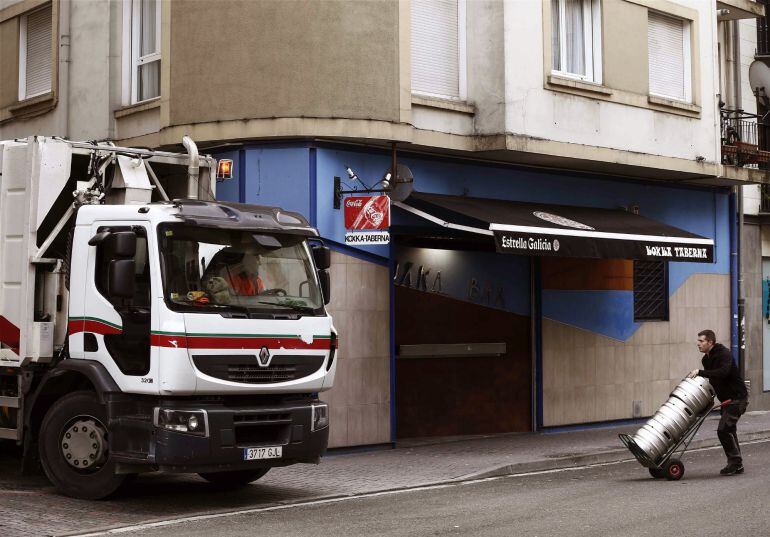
[745, 139]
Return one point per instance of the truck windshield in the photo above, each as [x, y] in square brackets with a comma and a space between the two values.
[211, 270]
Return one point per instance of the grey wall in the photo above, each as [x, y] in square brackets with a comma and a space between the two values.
[237, 59]
[751, 257]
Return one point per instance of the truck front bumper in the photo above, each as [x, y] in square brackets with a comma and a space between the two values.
[229, 431]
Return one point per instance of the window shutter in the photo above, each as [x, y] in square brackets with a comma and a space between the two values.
[665, 41]
[435, 48]
[38, 68]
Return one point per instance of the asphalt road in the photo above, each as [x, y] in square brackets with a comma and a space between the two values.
[613, 500]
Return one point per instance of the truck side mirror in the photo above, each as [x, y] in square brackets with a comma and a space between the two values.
[122, 243]
[326, 285]
[120, 278]
[322, 257]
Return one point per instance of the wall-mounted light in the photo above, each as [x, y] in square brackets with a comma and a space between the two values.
[224, 169]
[396, 188]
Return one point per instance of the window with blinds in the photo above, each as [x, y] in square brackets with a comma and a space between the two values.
[438, 48]
[35, 53]
[668, 43]
[145, 50]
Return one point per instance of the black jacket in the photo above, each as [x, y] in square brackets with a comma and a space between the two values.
[720, 369]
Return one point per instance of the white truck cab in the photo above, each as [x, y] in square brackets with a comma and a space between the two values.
[139, 333]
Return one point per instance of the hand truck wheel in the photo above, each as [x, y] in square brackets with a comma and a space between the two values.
[674, 470]
[657, 473]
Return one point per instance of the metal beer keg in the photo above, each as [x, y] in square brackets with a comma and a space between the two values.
[689, 399]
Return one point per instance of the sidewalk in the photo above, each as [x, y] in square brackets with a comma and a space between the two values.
[486, 457]
[29, 505]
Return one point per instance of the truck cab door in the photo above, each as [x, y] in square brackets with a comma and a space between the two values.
[117, 327]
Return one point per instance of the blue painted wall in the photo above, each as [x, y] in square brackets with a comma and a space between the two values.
[301, 178]
[278, 176]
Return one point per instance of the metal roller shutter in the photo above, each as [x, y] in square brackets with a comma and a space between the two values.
[667, 56]
[435, 48]
[38, 64]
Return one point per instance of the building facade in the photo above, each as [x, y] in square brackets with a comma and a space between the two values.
[605, 107]
[753, 40]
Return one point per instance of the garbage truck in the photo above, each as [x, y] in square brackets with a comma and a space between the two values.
[145, 326]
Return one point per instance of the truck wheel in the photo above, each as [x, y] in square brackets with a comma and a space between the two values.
[74, 448]
[237, 478]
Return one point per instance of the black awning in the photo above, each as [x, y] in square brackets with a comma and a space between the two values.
[561, 230]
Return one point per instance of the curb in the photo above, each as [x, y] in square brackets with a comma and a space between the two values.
[603, 457]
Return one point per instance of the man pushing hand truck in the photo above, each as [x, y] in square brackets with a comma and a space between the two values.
[719, 367]
[661, 442]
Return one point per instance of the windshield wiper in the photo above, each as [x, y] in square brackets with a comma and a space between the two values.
[295, 307]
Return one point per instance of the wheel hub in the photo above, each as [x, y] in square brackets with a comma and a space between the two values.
[83, 443]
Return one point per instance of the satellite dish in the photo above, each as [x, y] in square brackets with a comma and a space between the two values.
[759, 78]
[402, 184]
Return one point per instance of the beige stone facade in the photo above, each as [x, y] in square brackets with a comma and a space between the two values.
[589, 377]
[360, 398]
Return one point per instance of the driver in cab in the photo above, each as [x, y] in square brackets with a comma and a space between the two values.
[233, 274]
[243, 276]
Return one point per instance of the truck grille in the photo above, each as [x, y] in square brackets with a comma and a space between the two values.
[246, 368]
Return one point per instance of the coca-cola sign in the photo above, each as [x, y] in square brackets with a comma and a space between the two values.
[366, 213]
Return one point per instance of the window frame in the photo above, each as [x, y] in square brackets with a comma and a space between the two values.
[686, 57]
[462, 59]
[592, 40]
[132, 12]
[22, 95]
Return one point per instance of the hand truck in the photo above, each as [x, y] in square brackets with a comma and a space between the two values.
[668, 466]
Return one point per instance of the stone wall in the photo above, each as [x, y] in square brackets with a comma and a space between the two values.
[360, 399]
[590, 377]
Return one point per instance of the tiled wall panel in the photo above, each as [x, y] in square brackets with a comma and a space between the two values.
[360, 398]
[590, 377]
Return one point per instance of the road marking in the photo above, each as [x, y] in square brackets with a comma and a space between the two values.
[337, 499]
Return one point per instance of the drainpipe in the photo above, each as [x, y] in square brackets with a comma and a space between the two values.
[64, 68]
[733, 212]
[735, 34]
[738, 102]
[193, 169]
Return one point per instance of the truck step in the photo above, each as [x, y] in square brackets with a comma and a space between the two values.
[9, 434]
[10, 402]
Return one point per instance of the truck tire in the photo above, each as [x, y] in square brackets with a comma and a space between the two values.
[74, 448]
[237, 478]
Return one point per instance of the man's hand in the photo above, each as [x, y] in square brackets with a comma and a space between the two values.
[692, 374]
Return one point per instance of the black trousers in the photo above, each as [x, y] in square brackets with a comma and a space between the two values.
[726, 431]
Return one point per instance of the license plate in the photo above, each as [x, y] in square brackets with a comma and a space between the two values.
[256, 453]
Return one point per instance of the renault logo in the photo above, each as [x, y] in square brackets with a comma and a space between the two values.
[264, 357]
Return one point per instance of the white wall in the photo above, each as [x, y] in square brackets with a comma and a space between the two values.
[536, 111]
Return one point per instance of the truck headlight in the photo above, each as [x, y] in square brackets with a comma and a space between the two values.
[319, 416]
[184, 421]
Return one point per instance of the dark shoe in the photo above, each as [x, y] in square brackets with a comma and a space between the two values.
[731, 469]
